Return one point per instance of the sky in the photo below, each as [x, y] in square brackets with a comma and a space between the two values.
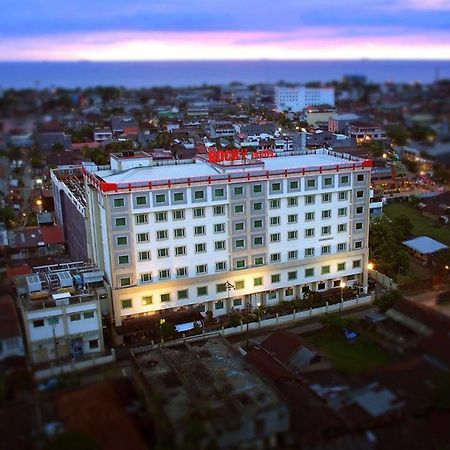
[109, 30]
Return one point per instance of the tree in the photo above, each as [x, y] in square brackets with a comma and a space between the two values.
[423, 133]
[7, 216]
[387, 300]
[402, 227]
[398, 134]
[376, 148]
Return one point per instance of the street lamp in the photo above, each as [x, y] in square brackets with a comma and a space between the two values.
[161, 323]
[342, 286]
[228, 287]
[370, 266]
[258, 304]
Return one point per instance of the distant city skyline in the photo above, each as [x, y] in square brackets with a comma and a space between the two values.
[111, 30]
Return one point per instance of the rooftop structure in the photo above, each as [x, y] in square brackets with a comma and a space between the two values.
[212, 379]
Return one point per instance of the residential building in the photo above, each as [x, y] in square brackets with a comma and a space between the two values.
[365, 131]
[318, 116]
[11, 342]
[172, 234]
[102, 135]
[61, 311]
[338, 123]
[299, 97]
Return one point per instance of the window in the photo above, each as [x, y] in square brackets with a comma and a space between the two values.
[258, 240]
[237, 302]
[343, 195]
[218, 210]
[200, 248]
[38, 323]
[326, 230]
[275, 237]
[272, 295]
[292, 218]
[202, 290]
[75, 317]
[179, 233]
[219, 305]
[325, 250]
[292, 275]
[164, 274]
[289, 292]
[141, 200]
[199, 212]
[359, 209]
[181, 272]
[275, 220]
[240, 264]
[161, 216]
[88, 315]
[219, 245]
[257, 223]
[163, 252]
[121, 221]
[240, 243]
[239, 226]
[309, 252]
[275, 278]
[142, 237]
[342, 247]
[292, 201]
[326, 198]
[128, 303]
[328, 181]
[356, 263]
[147, 300]
[182, 294]
[144, 256]
[199, 230]
[358, 226]
[309, 232]
[199, 195]
[326, 214]
[309, 216]
[274, 204]
[258, 281]
[324, 270]
[344, 179]
[239, 190]
[309, 272]
[221, 266]
[257, 206]
[342, 227]
[122, 240]
[359, 194]
[240, 284]
[146, 277]
[310, 199]
[119, 202]
[275, 257]
[360, 177]
[238, 209]
[178, 214]
[125, 281]
[123, 259]
[276, 187]
[219, 192]
[160, 198]
[258, 261]
[165, 298]
[178, 197]
[342, 212]
[162, 234]
[180, 251]
[141, 218]
[219, 228]
[293, 254]
[341, 266]
[292, 235]
[221, 287]
[358, 244]
[293, 185]
[257, 188]
[311, 183]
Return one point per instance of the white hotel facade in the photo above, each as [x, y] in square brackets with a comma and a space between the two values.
[297, 98]
[171, 235]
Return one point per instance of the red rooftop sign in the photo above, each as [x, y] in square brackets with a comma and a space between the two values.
[216, 156]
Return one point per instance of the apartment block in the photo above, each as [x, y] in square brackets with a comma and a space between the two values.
[297, 98]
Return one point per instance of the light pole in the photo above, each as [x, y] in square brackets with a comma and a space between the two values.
[259, 310]
[161, 323]
[342, 285]
[228, 287]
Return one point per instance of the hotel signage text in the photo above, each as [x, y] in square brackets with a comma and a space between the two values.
[216, 156]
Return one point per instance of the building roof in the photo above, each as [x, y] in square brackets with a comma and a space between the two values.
[425, 245]
[53, 235]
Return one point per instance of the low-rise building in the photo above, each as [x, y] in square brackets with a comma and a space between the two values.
[61, 307]
[365, 131]
[11, 342]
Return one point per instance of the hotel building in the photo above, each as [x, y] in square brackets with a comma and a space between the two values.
[297, 98]
[216, 234]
